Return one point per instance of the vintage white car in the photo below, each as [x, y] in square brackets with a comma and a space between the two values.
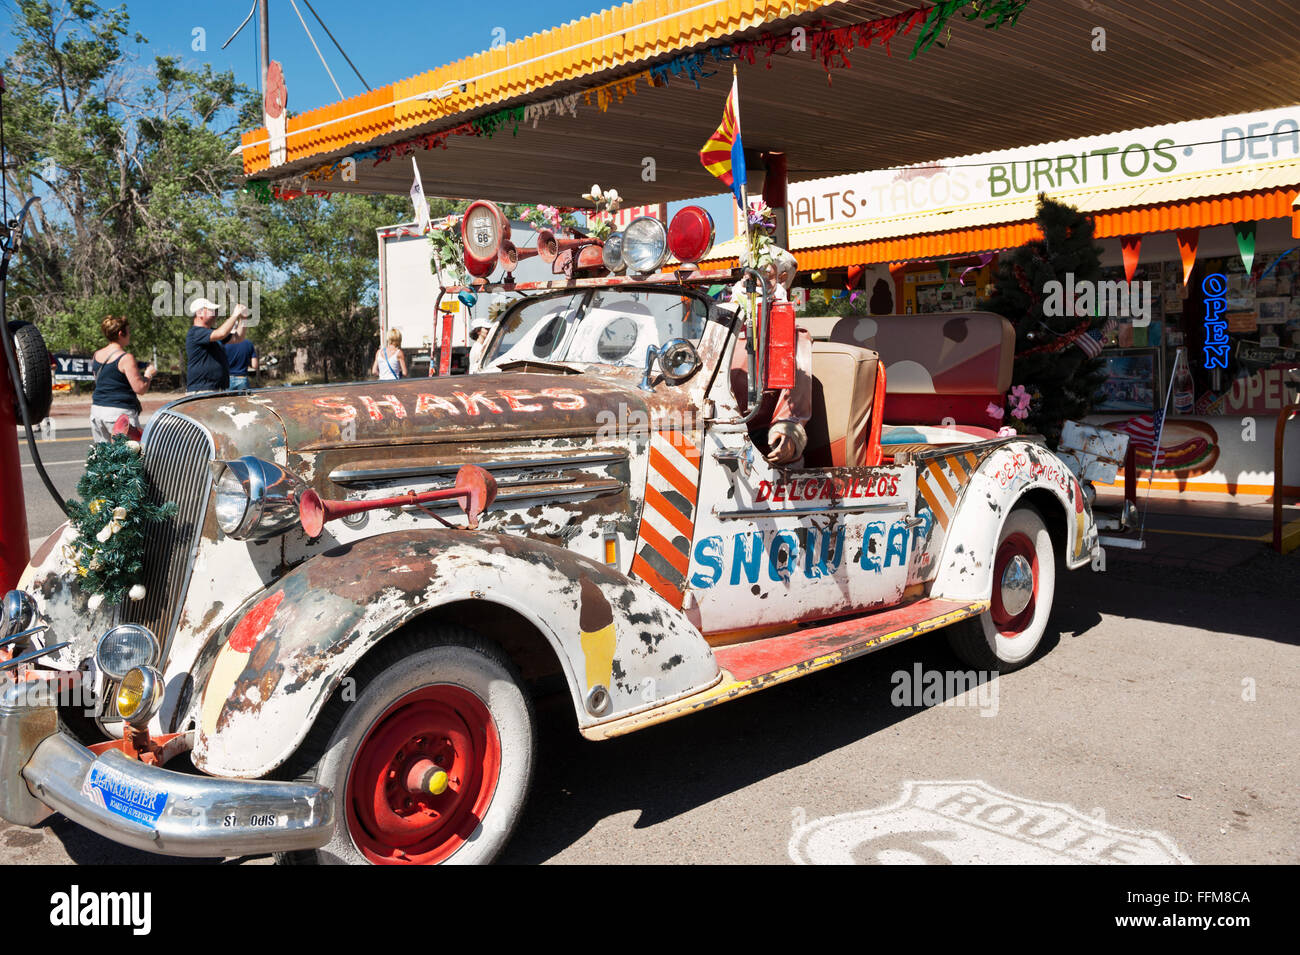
[365, 585]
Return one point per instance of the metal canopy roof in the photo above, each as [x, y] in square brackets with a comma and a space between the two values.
[1034, 82]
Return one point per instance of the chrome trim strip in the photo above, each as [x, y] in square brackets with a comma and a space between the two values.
[899, 505]
[342, 475]
[988, 444]
[596, 489]
[201, 815]
[31, 655]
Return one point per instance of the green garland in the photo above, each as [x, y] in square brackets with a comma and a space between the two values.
[111, 521]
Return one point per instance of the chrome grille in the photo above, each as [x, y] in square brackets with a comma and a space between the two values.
[176, 456]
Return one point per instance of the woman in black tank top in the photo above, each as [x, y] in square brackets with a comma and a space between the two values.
[118, 382]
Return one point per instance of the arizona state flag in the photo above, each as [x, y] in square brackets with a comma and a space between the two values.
[723, 155]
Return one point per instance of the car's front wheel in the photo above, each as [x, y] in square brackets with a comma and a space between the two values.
[432, 761]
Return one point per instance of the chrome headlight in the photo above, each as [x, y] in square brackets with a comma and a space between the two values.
[256, 499]
[645, 245]
[612, 252]
[126, 647]
[19, 612]
[139, 695]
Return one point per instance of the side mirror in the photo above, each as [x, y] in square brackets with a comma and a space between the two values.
[651, 353]
[780, 364]
[678, 360]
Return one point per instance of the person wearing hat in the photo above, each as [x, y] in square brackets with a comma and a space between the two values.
[206, 366]
[480, 330]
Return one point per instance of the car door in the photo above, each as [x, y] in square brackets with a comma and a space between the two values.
[776, 546]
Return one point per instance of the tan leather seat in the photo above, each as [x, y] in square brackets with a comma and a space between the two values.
[844, 384]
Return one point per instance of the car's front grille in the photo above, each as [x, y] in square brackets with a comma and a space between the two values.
[176, 456]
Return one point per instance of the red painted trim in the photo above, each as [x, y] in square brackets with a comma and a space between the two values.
[932, 409]
[745, 661]
[874, 455]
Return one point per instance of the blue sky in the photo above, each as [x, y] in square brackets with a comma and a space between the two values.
[387, 42]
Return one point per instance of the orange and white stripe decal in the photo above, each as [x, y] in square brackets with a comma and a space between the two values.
[940, 481]
[663, 551]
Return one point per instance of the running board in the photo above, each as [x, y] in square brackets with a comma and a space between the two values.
[757, 664]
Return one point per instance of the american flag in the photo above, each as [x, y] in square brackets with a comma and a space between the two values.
[1091, 343]
[1144, 433]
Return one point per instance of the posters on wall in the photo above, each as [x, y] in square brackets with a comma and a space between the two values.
[930, 291]
[1263, 316]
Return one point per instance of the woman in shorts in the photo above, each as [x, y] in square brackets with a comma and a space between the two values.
[118, 381]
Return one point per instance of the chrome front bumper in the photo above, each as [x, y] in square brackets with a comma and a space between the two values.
[146, 807]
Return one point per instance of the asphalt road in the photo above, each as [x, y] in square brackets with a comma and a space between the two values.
[65, 460]
[1166, 708]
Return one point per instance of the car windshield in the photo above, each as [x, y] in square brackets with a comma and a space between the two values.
[603, 326]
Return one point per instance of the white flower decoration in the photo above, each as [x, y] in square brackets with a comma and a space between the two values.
[136, 592]
[134, 446]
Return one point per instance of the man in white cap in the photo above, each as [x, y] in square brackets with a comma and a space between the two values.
[206, 367]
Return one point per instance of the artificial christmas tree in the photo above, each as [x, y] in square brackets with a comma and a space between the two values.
[112, 519]
[1061, 376]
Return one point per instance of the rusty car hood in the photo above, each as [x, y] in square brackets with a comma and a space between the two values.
[492, 406]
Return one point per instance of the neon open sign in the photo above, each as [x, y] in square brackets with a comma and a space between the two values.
[1215, 288]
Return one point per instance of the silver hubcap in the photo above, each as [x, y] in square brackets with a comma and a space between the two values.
[1017, 585]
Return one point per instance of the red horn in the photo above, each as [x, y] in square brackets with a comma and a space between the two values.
[550, 248]
[510, 255]
[475, 488]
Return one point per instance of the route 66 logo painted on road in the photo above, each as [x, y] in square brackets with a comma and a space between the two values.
[969, 822]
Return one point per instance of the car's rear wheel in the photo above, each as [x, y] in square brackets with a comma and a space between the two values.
[1005, 636]
[433, 760]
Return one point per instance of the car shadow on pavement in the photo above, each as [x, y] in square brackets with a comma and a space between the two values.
[1253, 599]
[667, 770]
[84, 847]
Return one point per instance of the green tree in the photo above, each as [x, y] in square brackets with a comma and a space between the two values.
[1062, 375]
[133, 170]
[327, 253]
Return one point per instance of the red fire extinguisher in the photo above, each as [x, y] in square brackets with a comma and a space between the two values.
[780, 346]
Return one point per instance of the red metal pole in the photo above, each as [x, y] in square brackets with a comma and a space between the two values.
[14, 551]
[444, 350]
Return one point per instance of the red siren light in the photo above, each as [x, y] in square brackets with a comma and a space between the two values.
[482, 231]
[690, 234]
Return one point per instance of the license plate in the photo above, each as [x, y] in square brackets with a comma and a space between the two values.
[121, 794]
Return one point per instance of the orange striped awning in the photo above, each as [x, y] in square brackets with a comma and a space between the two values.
[1139, 220]
[621, 36]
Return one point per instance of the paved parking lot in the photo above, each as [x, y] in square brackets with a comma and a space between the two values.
[1165, 713]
